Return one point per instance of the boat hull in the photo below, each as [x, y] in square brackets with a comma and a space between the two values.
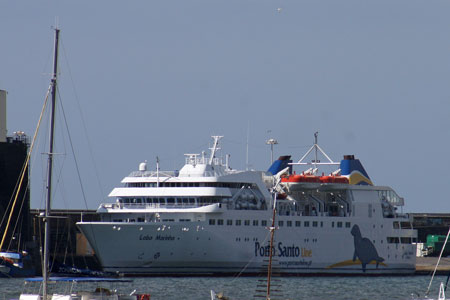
[197, 248]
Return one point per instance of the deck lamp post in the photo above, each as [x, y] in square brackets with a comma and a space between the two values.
[271, 142]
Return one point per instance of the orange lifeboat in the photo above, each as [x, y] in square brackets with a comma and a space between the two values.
[292, 178]
[300, 178]
[311, 178]
[326, 179]
[333, 179]
[340, 179]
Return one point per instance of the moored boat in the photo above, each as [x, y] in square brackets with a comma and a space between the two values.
[16, 264]
[210, 219]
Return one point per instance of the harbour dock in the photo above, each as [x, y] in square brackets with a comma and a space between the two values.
[426, 265]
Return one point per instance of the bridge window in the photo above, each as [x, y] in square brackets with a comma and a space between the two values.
[405, 225]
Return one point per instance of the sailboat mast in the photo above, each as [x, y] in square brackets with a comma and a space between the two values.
[272, 232]
[45, 266]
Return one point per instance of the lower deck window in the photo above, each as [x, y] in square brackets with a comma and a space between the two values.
[406, 240]
[393, 240]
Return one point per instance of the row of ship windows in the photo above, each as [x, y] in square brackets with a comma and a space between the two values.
[400, 240]
[236, 185]
[280, 223]
[390, 240]
[169, 200]
[402, 225]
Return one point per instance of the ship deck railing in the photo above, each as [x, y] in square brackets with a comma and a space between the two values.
[149, 205]
[153, 174]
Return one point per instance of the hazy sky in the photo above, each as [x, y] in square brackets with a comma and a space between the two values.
[157, 78]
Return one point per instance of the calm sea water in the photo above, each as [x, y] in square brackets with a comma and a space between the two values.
[311, 288]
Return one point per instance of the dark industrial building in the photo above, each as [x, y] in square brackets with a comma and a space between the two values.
[13, 153]
[67, 244]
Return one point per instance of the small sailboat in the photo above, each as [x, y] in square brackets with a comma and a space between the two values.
[16, 264]
[66, 285]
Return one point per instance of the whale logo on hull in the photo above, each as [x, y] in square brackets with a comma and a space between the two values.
[365, 251]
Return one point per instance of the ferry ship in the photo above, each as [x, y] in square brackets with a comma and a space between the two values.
[208, 218]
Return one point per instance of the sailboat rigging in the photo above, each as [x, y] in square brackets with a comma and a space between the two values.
[47, 216]
[268, 287]
[46, 219]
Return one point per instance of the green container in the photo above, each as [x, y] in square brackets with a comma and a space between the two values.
[436, 242]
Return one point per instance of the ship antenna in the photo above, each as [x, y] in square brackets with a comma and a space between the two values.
[316, 149]
[157, 171]
[246, 156]
[215, 147]
[271, 142]
[316, 135]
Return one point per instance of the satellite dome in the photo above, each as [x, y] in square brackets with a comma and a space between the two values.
[143, 166]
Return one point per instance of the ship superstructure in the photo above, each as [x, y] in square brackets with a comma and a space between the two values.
[210, 219]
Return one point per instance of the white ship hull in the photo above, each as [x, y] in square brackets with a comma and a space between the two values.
[199, 248]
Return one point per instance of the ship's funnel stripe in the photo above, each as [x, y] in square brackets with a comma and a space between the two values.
[281, 163]
[348, 166]
[350, 262]
[357, 178]
[354, 171]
